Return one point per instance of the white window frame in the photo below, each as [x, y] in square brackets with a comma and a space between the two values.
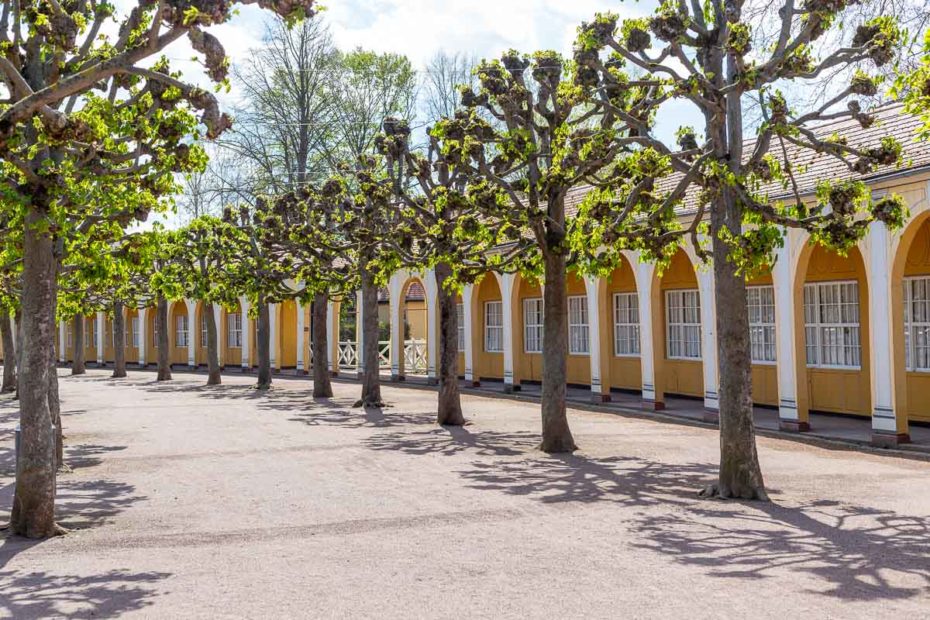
[681, 324]
[495, 330]
[234, 330]
[134, 331]
[762, 331]
[155, 331]
[916, 322]
[203, 329]
[626, 324]
[70, 334]
[579, 326]
[816, 326]
[181, 331]
[533, 325]
[460, 314]
[90, 335]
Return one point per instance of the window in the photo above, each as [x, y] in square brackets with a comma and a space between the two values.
[626, 324]
[831, 324]
[494, 327]
[762, 323]
[460, 311]
[578, 340]
[234, 330]
[532, 325]
[70, 337]
[155, 332]
[180, 337]
[91, 341]
[917, 323]
[683, 324]
[203, 329]
[134, 331]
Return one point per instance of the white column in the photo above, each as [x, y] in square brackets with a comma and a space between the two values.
[301, 337]
[395, 303]
[273, 344]
[506, 282]
[432, 326]
[220, 334]
[785, 345]
[468, 292]
[193, 332]
[101, 337]
[647, 351]
[332, 332]
[888, 424]
[709, 338]
[62, 341]
[143, 326]
[246, 333]
[594, 300]
[359, 335]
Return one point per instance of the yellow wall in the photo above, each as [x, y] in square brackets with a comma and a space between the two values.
[840, 390]
[684, 377]
[579, 365]
[232, 355]
[179, 354]
[487, 365]
[132, 353]
[90, 340]
[764, 376]
[287, 335]
[625, 372]
[530, 364]
[918, 383]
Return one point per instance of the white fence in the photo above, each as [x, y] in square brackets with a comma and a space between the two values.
[415, 360]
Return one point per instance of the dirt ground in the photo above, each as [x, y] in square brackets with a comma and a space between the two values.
[187, 501]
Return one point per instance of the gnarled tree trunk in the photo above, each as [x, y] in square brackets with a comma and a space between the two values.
[78, 365]
[119, 341]
[164, 352]
[450, 403]
[368, 356]
[264, 345]
[319, 343]
[556, 435]
[33, 513]
[54, 407]
[9, 354]
[214, 376]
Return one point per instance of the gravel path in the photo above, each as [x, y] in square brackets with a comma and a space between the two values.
[222, 502]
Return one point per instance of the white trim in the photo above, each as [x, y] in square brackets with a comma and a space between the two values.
[497, 328]
[818, 326]
[582, 324]
[911, 362]
[683, 295]
[631, 307]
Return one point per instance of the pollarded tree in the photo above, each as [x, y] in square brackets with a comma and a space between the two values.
[201, 253]
[914, 86]
[554, 131]
[437, 209]
[59, 139]
[702, 55]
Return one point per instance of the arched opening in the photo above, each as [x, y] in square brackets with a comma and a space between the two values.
[414, 314]
[347, 343]
[90, 339]
[832, 322]
[911, 316]
[460, 315]
[578, 363]
[623, 352]
[287, 335]
[488, 338]
[179, 338]
[679, 367]
[151, 335]
[528, 330]
[198, 336]
[760, 293]
[231, 333]
[133, 333]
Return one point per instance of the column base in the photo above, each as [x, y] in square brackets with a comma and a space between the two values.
[300, 372]
[432, 381]
[473, 383]
[398, 378]
[510, 388]
[889, 440]
[333, 373]
[652, 405]
[794, 426]
[192, 368]
[711, 416]
[600, 398]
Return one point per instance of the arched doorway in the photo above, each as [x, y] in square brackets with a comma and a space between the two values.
[414, 318]
[625, 365]
[832, 323]
[231, 334]
[488, 338]
[678, 355]
[179, 338]
[287, 335]
[911, 316]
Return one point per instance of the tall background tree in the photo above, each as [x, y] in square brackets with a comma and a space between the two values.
[704, 57]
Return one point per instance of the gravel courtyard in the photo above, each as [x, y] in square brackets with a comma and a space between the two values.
[187, 501]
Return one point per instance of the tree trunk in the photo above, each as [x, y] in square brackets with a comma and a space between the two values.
[164, 352]
[33, 513]
[450, 403]
[9, 353]
[78, 366]
[264, 345]
[119, 341]
[368, 356]
[556, 435]
[322, 385]
[54, 407]
[18, 345]
[740, 473]
[214, 376]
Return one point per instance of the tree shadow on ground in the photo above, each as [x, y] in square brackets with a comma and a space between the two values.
[452, 440]
[48, 595]
[83, 456]
[337, 412]
[847, 551]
